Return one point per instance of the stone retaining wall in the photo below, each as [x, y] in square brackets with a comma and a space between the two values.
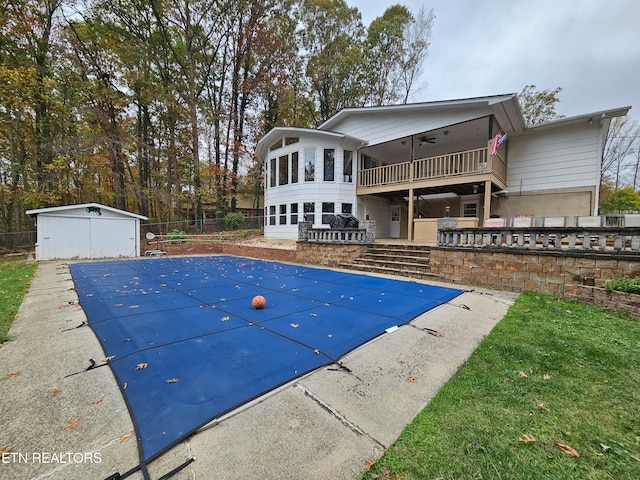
[628, 302]
[276, 254]
[545, 272]
[328, 254]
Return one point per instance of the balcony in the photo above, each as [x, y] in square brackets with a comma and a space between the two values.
[440, 170]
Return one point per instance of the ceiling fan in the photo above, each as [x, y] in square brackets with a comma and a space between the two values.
[425, 139]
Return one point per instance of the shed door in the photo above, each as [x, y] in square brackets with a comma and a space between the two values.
[113, 237]
[63, 237]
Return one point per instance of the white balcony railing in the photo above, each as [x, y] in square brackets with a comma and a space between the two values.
[468, 162]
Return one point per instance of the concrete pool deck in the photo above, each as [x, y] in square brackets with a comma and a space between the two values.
[62, 422]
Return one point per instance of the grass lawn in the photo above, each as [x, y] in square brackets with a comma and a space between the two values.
[15, 275]
[552, 393]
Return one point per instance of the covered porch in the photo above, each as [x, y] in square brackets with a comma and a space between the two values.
[453, 171]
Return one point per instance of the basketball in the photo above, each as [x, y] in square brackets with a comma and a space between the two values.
[258, 302]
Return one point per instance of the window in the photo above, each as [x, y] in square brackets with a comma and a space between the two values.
[327, 212]
[272, 172]
[283, 170]
[329, 164]
[347, 208]
[283, 214]
[309, 164]
[347, 170]
[294, 214]
[290, 140]
[470, 209]
[294, 167]
[276, 145]
[309, 212]
[272, 215]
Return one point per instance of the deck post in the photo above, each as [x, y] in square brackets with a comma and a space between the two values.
[410, 217]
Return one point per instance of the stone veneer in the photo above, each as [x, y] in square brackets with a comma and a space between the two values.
[328, 254]
[557, 273]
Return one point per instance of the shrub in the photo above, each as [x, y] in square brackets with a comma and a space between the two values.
[234, 220]
[624, 284]
[177, 236]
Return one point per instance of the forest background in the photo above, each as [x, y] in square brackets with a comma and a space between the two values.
[155, 106]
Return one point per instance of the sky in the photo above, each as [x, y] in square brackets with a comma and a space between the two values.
[590, 48]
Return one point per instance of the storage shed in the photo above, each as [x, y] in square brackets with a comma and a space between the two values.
[90, 230]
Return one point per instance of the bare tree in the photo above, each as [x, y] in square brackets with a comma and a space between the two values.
[620, 158]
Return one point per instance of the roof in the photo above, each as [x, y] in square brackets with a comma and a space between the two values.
[84, 205]
[585, 117]
[265, 142]
[505, 106]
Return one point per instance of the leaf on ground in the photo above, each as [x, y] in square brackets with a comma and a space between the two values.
[370, 463]
[526, 438]
[521, 374]
[125, 437]
[172, 380]
[11, 375]
[96, 401]
[569, 312]
[546, 377]
[526, 310]
[4, 450]
[56, 392]
[412, 379]
[571, 451]
[141, 366]
[542, 406]
[294, 325]
[73, 423]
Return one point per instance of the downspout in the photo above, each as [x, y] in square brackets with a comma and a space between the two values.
[599, 175]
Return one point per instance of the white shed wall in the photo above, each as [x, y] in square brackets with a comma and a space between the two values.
[76, 233]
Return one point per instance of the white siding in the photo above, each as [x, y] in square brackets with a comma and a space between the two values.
[550, 159]
[380, 127]
[337, 191]
[63, 237]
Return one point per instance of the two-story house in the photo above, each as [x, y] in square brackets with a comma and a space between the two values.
[405, 166]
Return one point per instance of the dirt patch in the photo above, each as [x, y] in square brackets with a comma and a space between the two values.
[281, 251]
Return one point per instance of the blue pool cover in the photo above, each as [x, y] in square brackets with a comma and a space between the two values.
[186, 346]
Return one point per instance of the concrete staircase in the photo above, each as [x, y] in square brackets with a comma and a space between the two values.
[405, 260]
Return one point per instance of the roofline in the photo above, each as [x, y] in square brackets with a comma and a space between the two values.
[487, 100]
[602, 114]
[266, 140]
[84, 205]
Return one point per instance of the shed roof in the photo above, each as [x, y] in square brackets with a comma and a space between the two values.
[84, 205]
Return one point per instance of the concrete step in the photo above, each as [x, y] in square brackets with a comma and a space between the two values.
[423, 274]
[394, 259]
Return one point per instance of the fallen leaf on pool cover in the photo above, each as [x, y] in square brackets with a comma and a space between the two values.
[313, 314]
[73, 423]
[140, 366]
[11, 375]
[294, 325]
[172, 380]
[571, 451]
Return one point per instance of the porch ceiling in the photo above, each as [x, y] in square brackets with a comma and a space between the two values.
[453, 138]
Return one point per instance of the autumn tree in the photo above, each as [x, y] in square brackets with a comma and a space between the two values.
[538, 106]
[395, 48]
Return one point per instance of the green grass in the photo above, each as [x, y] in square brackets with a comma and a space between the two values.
[15, 275]
[582, 389]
